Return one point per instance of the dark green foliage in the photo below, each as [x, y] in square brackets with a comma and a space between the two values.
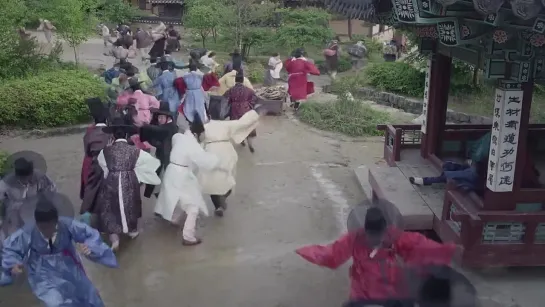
[50, 99]
[396, 77]
[349, 117]
[344, 64]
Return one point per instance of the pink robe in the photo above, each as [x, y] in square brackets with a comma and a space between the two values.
[298, 85]
[382, 276]
[144, 103]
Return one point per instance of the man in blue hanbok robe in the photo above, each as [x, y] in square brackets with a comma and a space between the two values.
[48, 250]
[164, 87]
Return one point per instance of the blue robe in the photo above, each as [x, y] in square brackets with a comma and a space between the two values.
[194, 99]
[57, 276]
[165, 90]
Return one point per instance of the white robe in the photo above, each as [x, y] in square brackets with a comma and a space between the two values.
[180, 188]
[145, 169]
[276, 65]
[217, 139]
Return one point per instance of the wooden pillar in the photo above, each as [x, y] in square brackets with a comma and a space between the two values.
[435, 103]
[508, 144]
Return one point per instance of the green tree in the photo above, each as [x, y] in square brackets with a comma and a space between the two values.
[242, 16]
[300, 28]
[202, 19]
[115, 11]
[75, 21]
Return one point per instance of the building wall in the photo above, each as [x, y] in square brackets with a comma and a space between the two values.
[340, 27]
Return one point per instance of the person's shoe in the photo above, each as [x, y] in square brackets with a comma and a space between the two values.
[133, 235]
[115, 245]
[191, 243]
[219, 212]
[243, 143]
[5, 279]
[416, 180]
[252, 150]
[156, 195]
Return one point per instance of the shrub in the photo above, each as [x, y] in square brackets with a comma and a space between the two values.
[3, 162]
[396, 77]
[349, 117]
[349, 83]
[344, 64]
[255, 72]
[48, 99]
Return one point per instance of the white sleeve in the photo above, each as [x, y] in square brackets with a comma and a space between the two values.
[146, 167]
[102, 162]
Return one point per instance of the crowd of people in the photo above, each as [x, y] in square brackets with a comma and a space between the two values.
[193, 154]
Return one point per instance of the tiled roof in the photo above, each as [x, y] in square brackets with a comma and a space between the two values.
[166, 1]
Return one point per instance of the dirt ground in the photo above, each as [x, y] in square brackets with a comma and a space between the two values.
[296, 189]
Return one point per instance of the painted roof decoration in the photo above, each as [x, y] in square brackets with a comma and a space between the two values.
[487, 33]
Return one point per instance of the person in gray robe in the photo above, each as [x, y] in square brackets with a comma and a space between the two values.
[24, 182]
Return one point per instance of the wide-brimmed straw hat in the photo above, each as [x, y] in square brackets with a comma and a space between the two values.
[65, 208]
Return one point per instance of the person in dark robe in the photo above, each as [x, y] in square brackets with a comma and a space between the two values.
[48, 249]
[235, 63]
[331, 54]
[241, 99]
[173, 39]
[124, 167]
[159, 135]
[158, 49]
[94, 141]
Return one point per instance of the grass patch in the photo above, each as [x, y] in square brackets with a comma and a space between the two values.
[351, 118]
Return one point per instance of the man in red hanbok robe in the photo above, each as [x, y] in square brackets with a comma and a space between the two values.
[94, 139]
[378, 251]
[298, 85]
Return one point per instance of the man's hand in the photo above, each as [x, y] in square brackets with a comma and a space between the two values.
[83, 249]
[17, 269]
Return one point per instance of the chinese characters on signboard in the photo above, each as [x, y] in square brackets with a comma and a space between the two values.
[426, 97]
[504, 140]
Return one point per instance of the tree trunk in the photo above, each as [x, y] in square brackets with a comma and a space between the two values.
[215, 35]
[203, 37]
[75, 54]
[475, 77]
[350, 28]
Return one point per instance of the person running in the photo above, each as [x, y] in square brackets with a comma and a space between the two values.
[124, 167]
[180, 189]
[242, 100]
[47, 249]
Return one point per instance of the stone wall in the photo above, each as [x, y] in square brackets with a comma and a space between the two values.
[411, 105]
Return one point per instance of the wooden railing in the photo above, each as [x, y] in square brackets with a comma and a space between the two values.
[397, 137]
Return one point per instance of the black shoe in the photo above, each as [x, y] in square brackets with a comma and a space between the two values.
[156, 195]
[219, 212]
[411, 180]
[243, 143]
[252, 150]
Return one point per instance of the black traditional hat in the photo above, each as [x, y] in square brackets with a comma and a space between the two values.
[133, 82]
[119, 123]
[357, 218]
[61, 202]
[26, 157]
[164, 109]
[97, 109]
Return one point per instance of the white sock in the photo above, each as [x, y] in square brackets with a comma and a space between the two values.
[418, 180]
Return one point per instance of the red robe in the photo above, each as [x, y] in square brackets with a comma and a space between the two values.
[86, 165]
[298, 85]
[208, 81]
[380, 277]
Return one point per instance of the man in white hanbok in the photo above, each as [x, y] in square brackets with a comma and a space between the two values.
[180, 188]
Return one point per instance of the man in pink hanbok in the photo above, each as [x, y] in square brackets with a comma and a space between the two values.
[142, 103]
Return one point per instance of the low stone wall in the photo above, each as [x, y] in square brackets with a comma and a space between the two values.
[414, 106]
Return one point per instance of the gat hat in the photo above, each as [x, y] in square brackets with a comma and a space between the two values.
[164, 109]
[97, 109]
[61, 202]
[119, 123]
[133, 82]
[34, 158]
[358, 215]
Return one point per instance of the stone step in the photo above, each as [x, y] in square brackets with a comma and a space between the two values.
[393, 186]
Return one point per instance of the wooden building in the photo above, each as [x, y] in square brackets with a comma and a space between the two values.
[505, 225]
[167, 11]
